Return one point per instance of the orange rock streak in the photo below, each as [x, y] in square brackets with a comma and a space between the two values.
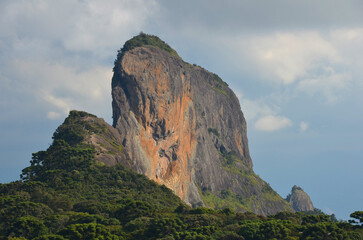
[238, 139]
[170, 168]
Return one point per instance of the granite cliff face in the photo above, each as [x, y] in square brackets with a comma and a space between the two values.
[182, 126]
[300, 200]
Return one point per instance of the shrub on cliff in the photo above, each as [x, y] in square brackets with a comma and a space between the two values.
[144, 40]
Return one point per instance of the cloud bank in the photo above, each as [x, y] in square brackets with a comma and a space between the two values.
[272, 123]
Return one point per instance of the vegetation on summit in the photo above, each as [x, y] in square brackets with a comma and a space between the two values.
[144, 39]
[141, 40]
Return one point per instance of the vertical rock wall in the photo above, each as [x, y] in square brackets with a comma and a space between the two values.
[183, 127]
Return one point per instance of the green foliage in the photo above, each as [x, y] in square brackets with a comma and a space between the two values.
[316, 211]
[219, 85]
[230, 158]
[219, 80]
[50, 237]
[201, 210]
[270, 229]
[73, 130]
[220, 90]
[65, 194]
[59, 156]
[28, 227]
[144, 40]
[113, 203]
[233, 163]
[88, 231]
[313, 219]
[325, 230]
[12, 211]
[357, 215]
[225, 199]
[69, 150]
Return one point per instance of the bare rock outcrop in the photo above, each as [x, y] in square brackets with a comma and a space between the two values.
[182, 126]
[300, 200]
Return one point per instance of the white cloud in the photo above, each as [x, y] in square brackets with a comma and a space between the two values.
[272, 123]
[264, 117]
[53, 115]
[329, 85]
[98, 28]
[60, 103]
[347, 35]
[60, 88]
[285, 57]
[350, 44]
[58, 55]
[303, 126]
[323, 64]
[254, 109]
[102, 25]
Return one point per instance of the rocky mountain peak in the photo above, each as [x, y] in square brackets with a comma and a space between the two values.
[142, 40]
[182, 126]
[300, 200]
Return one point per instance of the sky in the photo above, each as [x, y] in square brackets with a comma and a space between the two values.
[296, 67]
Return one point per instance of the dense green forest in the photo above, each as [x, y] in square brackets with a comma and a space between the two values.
[65, 194]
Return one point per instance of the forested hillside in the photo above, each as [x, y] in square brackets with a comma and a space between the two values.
[66, 194]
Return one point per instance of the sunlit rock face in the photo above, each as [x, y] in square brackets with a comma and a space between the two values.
[182, 126]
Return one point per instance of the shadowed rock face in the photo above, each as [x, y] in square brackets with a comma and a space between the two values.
[183, 127]
[300, 200]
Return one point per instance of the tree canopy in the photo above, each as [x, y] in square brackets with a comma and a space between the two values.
[66, 194]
